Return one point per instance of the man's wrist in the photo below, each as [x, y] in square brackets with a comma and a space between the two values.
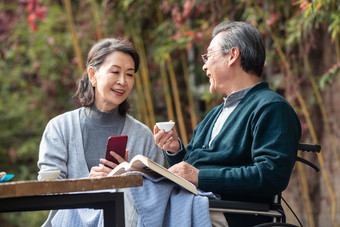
[181, 148]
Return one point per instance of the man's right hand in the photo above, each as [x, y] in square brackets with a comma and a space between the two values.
[167, 141]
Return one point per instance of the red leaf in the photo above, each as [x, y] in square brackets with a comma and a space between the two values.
[12, 153]
[41, 12]
[31, 18]
[304, 5]
[189, 46]
[189, 33]
[176, 36]
[198, 36]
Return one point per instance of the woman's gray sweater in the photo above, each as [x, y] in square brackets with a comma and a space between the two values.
[62, 148]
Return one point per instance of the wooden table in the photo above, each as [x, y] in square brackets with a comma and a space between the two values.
[53, 195]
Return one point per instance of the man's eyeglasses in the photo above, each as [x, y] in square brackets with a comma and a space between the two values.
[205, 57]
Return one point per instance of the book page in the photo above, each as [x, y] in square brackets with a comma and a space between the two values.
[138, 165]
[143, 164]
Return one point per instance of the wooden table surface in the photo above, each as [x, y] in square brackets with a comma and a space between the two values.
[35, 187]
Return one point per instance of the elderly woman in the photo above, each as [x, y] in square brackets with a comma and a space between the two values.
[75, 142]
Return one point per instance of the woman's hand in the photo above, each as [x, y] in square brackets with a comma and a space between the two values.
[103, 169]
[167, 141]
[99, 171]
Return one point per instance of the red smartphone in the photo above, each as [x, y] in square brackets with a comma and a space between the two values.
[116, 144]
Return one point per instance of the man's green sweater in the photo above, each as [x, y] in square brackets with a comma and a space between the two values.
[253, 155]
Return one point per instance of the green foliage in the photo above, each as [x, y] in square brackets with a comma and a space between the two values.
[329, 77]
[334, 26]
[38, 69]
[36, 83]
[24, 219]
[35, 74]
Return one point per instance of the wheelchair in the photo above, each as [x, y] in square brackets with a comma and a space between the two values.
[272, 210]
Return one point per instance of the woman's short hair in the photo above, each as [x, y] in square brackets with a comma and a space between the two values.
[249, 41]
[95, 58]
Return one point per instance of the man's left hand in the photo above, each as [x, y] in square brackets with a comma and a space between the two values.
[187, 171]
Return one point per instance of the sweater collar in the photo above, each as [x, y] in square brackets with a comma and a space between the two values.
[103, 118]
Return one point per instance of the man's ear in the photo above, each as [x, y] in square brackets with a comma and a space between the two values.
[91, 74]
[234, 55]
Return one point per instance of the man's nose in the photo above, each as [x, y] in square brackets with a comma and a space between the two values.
[204, 67]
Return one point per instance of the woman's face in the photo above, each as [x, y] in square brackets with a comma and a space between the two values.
[113, 81]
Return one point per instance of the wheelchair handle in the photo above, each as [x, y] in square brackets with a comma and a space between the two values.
[309, 147]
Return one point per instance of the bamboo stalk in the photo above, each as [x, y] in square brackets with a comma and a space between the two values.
[301, 172]
[70, 22]
[98, 27]
[141, 105]
[145, 80]
[337, 48]
[168, 102]
[189, 93]
[177, 100]
[310, 126]
[323, 110]
[306, 198]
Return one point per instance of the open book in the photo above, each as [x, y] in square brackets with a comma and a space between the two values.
[143, 164]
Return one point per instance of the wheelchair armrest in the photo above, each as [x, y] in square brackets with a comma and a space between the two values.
[229, 204]
[250, 208]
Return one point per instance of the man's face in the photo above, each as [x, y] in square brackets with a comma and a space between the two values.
[216, 67]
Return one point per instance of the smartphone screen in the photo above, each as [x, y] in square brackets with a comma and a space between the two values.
[116, 144]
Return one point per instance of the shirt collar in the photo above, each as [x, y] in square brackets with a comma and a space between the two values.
[235, 97]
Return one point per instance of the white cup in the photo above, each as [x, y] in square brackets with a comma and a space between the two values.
[49, 174]
[167, 126]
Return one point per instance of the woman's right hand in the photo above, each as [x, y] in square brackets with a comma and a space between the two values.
[167, 141]
[99, 171]
[105, 167]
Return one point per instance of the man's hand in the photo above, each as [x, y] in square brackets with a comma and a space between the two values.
[167, 141]
[187, 171]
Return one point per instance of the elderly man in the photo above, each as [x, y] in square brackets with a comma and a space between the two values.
[245, 148]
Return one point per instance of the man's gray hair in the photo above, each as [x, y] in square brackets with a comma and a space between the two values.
[248, 40]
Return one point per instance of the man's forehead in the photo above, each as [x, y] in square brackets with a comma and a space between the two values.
[214, 43]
